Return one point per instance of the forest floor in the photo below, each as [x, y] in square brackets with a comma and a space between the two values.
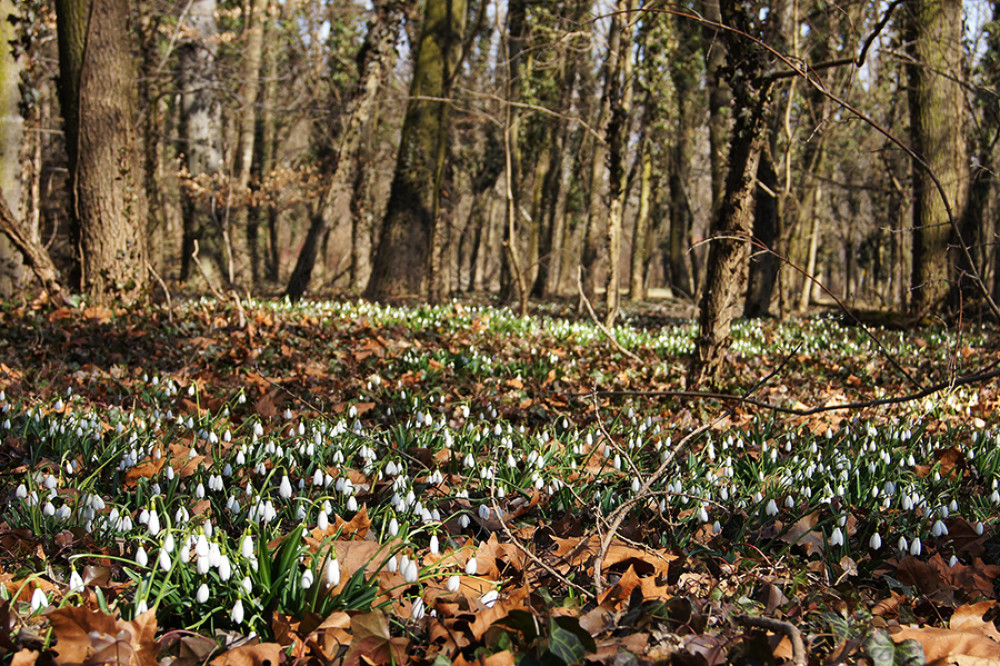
[346, 482]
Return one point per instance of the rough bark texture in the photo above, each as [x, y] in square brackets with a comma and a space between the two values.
[719, 97]
[11, 130]
[400, 267]
[763, 264]
[97, 98]
[733, 224]
[937, 127]
[201, 132]
[637, 272]
[374, 61]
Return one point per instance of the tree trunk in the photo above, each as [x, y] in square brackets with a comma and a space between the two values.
[98, 107]
[35, 255]
[618, 131]
[239, 232]
[763, 263]
[11, 130]
[733, 224]
[374, 61]
[200, 131]
[719, 97]
[637, 277]
[592, 244]
[401, 262]
[263, 211]
[937, 128]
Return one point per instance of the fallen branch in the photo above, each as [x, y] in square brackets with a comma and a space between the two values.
[604, 329]
[35, 256]
[786, 628]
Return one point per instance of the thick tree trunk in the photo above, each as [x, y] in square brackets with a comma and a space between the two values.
[731, 229]
[375, 60]
[11, 130]
[201, 132]
[98, 106]
[937, 128]
[401, 263]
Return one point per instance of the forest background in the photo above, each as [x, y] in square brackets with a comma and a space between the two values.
[527, 149]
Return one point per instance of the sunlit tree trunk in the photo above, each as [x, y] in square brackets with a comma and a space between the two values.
[11, 129]
[200, 132]
[97, 96]
[725, 281]
[375, 59]
[400, 266]
[937, 129]
[637, 275]
[719, 96]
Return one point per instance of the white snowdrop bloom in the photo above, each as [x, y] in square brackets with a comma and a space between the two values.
[307, 579]
[236, 615]
[837, 537]
[38, 600]
[141, 558]
[393, 526]
[418, 610]
[352, 503]
[199, 491]
[915, 547]
[164, 560]
[772, 508]
[995, 497]
[410, 573]
[247, 584]
[203, 565]
[490, 598]
[225, 568]
[435, 546]
[141, 607]
[300, 513]
[201, 596]
[463, 521]
[875, 542]
[246, 546]
[471, 567]
[939, 529]
[979, 528]
[317, 479]
[75, 581]
[392, 564]
[169, 473]
[953, 506]
[285, 489]
[636, 485]
[143, 517]
[903, 544]
[484, 512]
[454, 583]
[332, 572]
[49, 509]
[22, 492]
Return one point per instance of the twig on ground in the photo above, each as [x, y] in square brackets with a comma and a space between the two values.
[204, 273]
[786, 628]
[166, 292]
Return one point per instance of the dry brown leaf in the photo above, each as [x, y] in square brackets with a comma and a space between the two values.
[260, 654]
[372, 643]
[90, 636]
[25, 658]
[504, 658]
[945, 645]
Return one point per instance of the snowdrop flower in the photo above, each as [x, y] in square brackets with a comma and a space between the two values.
[236, 615]
[939, 529]
[201, 596]
[164, 560]
[471, 567]
[979, 528]
[418, 610]
[246, 546]
[285, 489]
[141, 558]
[837, 538]
[392, 564]
[141, 607]
[435, 546]
[875, 542]
[393, 527]
[307, 579]
[154, 523]
[38, 600]
[772, 508]
[490, 598]
[454, 583]
[225, 568]
[702, 514]
[75, 581]
[484, 512]
[332, 572]
[410, 572]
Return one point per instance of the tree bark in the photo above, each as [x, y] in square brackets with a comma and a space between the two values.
[719, 97]
[201, 132]
[374, 61]
[11, 131]
[763, 264]
[400, 267]
[35, 255]
[731, 229]
[937, 127]
[97, 95]
[637, 274]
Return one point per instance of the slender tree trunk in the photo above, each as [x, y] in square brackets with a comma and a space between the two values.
[637, 277]
[374, 61]
[239, 231]
[763, 264]
[201, 132]
[97, 96]
[937, 128]
[262, 211]
[401, 263]
[733, 224]
[618, 130]
[719, 97]
[11, 131]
